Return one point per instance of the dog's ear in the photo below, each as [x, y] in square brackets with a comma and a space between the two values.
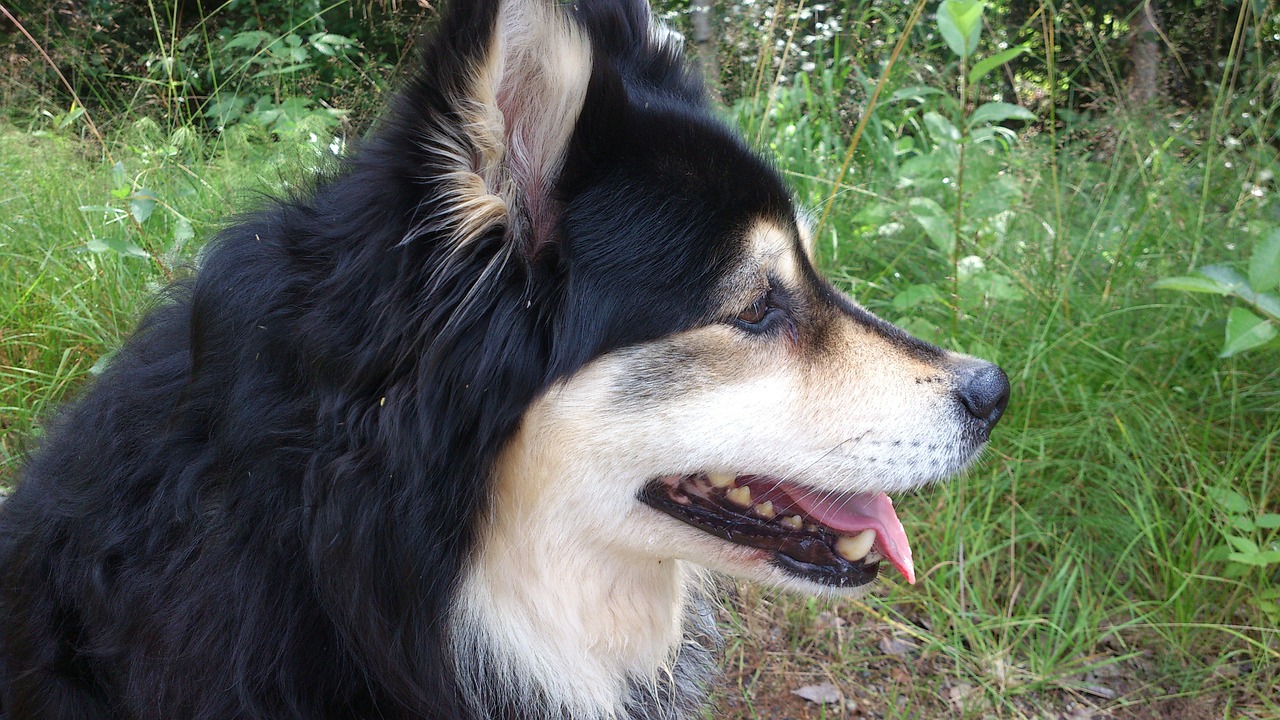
[512, 76]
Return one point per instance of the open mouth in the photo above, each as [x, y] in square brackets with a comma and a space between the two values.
[830, 538]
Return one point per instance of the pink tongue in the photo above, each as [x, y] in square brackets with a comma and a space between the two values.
[851, 514]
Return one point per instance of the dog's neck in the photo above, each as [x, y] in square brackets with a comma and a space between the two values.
[555, 620]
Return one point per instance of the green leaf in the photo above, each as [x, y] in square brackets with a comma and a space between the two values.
[1268, 521]
[249, 40]
[1227, 277]
[941, 128]
[915, 295]
[997, 286]
[1267, 303]
[117, 245]
[960, 23]
[987, 64]
[935, 221]
[1246, 559]
[1245, 330]
[921, 328]
[1230, 500]
[182, 231]
[918, 93]
[998, 112]
[994, 196]
[118, 179]
[1192, 283]
[142, 204]
[286, 70]
[1243, 523]
[1244, 545]
[1264, 266]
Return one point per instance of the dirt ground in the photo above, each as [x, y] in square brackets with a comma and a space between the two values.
[854, 666]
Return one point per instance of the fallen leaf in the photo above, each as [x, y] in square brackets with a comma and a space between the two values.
[895, 646]
[823, 694]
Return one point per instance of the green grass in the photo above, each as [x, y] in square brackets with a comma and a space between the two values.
[1079, 565]
[63, 306]
[1085, 552]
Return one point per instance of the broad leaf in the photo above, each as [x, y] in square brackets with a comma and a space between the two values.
[935, 221]
[1248, 559]
[987, 64]
[998, 112]
[1192, 283]
[1244, 545]
[941, 128]
[915, 295]
[918, 93]
[1267, 303]
[142, 204]
[1226, 276]
[1268, 521]
[1264, 266]
[182, 231]
[1230, 500]
[960, 22]
[994, 196]
[1245, 330]
[117, 245]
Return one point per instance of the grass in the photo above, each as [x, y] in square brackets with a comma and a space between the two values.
[1078, 568]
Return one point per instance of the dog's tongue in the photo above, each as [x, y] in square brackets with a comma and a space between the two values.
[851, 514]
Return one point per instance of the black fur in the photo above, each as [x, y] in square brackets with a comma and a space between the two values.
[262, 508]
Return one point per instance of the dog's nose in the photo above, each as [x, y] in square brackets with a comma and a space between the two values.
[983, 389]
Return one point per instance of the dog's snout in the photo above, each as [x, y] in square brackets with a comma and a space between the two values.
[983, 389]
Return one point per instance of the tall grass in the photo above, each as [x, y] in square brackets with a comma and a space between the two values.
[1083, 561]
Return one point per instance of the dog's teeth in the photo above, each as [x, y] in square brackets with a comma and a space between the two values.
[740, 496]
[855, 548]
[793, 521]
[765, 510]
[720, 480]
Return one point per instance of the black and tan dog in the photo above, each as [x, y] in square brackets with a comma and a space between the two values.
[450, 435]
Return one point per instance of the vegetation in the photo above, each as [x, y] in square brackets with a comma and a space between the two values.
[981, 176]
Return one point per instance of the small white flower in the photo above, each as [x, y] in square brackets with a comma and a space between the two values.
[969, 266]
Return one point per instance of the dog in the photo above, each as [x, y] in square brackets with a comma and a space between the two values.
[459, 432]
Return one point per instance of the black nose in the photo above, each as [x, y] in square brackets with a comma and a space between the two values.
[983, 389]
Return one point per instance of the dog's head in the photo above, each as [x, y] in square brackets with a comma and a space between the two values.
[710, 397]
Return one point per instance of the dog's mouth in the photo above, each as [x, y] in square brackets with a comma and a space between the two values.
[830, 538]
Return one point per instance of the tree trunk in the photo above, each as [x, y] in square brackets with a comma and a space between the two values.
[705, 42]
[1144, 56]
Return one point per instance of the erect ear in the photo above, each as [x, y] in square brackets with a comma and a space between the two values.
[514, 103]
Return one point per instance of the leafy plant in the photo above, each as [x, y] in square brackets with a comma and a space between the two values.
[263, 61]
[1251, 541]
[1258, 323]
[959, 197]
[128, 227]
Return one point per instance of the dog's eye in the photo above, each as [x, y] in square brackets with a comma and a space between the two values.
[756, 312]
